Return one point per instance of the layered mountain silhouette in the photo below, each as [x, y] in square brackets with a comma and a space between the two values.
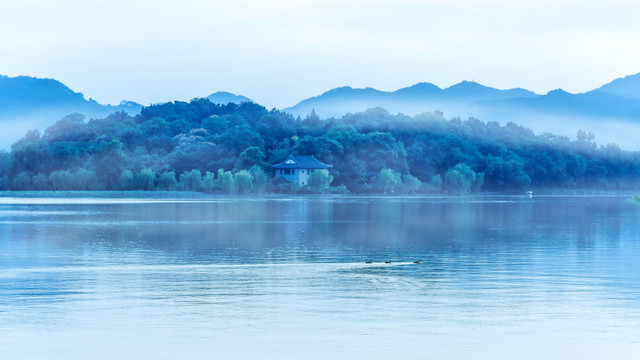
[23, 95]
[611, 111]
[32, 103]
[628, 87]
[618, 99]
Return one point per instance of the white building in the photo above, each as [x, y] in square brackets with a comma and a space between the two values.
[298, 168]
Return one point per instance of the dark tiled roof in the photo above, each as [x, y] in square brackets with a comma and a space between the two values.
[302, 162]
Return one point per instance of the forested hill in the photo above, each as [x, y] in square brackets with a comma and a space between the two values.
[28, 103]
[619, 99]
[611, 110]
[229, 148]
[24, 95]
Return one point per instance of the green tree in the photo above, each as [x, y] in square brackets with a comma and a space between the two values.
[126, 180]
[67, 128]
[145, 180]
[259, 179]
[224, 181]
[180, 136]
[280, 185]
[5, 162]
[40, 182]
[208, 182]
[22, 181]
[109, 163]
[294, 187]
[62, 180]
[5, 183]
[386, 181]
[191, 180]
[459, 179]
[243, 181]
[319, 180]
[167, 181]
[249, 157]
[477, 183]
[85, 179]
[411, 183]
[435, 185]
[29, 153]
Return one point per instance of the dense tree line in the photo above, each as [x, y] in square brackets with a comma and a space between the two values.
[201, 146]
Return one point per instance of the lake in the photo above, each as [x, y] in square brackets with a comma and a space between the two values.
[286, 278]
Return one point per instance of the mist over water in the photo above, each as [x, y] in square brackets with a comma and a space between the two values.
[548, 277]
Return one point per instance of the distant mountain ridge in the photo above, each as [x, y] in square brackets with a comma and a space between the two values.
[619, 98]
[612, 111]
[223, 97]
[17, 92]
[628, 86]
[34, 103]
[23, 94]
[342, 100]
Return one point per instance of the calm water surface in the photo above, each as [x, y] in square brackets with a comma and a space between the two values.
[500, 278]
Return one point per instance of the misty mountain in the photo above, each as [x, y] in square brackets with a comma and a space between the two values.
[223, 97]
[23, 95]
[414, 99]
[33, 103]
[628, 87]
[611, 111]
[618, 99]
[182, 145]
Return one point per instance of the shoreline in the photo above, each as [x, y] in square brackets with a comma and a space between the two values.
[189, 195]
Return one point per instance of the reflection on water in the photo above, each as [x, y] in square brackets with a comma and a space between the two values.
[500, 277]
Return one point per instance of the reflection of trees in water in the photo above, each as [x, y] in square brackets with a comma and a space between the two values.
[321, 229]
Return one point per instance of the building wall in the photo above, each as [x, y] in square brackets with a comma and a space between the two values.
[304, 176]
[293, 176]
[301, 176]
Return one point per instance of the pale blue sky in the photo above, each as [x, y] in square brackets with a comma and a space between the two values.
[279, 52]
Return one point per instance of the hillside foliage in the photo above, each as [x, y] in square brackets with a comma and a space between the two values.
[207, 147]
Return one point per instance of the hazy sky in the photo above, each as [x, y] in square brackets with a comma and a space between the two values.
[279, 52]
